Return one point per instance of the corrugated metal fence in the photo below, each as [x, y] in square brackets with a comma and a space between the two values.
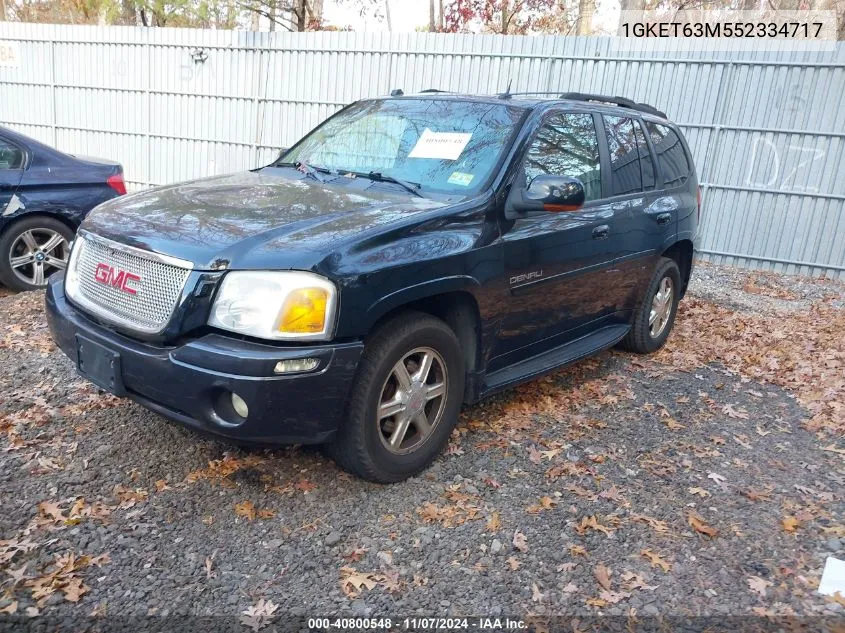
[767, 129]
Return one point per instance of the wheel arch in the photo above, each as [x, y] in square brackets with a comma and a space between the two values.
[457, 306]
[682, 253]
[12, 221]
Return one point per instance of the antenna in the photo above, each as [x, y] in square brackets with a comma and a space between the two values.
[507, 93]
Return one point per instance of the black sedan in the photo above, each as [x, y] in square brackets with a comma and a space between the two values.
[44, 195]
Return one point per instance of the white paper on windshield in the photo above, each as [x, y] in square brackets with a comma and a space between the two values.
[442, 145]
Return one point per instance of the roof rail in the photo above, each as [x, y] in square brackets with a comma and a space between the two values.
[617, 101]
[432, 90]
[508, 95]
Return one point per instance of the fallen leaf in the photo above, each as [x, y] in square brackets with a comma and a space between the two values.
[353, 581]
[758, 585]
[245, 509]
[701, 492]
[592, 523]
[636, 581]
[833, 449]
[656, 560]
[520, 542]
[74, 590]
[699, 525]
[536, 594]
[51, 510]
[790, 524]
[356, 554]
[731, 412]
[577, 550]
[612, 597]
[602, 576]
[494, 523]
[259, 615]
[513, 563]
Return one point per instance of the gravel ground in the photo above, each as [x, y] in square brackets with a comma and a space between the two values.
[704, 481]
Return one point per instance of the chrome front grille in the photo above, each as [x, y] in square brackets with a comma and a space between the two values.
[127, 286]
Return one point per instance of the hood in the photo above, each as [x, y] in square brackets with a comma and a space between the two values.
[267, 219]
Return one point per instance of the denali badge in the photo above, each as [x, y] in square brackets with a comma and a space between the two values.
[534, 274]
[115, 278]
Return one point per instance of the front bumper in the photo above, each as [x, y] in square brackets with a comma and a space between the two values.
[191, 383]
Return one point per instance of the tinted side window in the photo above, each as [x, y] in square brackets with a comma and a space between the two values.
[625, 171]
[567, 145]
[646, 162]
[11, 157]
[670, 154]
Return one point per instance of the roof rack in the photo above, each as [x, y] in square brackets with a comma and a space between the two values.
[622, 102]
[432, 90]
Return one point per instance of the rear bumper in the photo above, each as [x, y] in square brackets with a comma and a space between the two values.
[191, 383]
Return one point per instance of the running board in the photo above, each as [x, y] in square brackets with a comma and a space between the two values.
[554, 358]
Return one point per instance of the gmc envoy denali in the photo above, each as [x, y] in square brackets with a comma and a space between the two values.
[410, 254]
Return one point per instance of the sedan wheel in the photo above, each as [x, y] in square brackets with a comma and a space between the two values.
[31, 250]
[38, 253]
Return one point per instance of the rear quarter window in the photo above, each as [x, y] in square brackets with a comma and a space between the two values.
[11, 156]
[671, 156]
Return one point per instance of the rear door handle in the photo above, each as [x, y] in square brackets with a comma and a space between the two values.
[601, 232]
[663, 218]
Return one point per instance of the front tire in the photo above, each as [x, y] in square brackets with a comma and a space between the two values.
[31, 250]
[405, 400]
[655, 317]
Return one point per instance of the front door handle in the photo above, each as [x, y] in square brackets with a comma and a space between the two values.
[601, 232]
[663, 218]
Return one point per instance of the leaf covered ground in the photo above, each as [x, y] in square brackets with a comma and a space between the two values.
[707, 479]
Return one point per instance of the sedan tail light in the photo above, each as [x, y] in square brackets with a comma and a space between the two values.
[116, 182]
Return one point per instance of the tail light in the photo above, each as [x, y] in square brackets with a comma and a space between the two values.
[699, 203]
[116, 183]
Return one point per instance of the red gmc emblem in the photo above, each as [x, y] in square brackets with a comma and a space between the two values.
[120, 279]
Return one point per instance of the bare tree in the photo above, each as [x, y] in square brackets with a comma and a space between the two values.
[586, 9]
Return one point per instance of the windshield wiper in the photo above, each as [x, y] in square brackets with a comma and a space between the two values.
[410, 187]
[308, 170]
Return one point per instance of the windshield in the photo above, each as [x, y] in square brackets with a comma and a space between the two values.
[442, 145]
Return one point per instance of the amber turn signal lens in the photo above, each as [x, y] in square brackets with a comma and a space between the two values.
[304, 311]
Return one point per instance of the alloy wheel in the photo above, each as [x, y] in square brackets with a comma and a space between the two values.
[36, 254]
[412, 400]
[661, 308]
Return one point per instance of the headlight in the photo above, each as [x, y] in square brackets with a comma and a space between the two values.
[72, 272]
[276, 305]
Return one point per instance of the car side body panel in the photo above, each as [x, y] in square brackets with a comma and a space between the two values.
[54, 183]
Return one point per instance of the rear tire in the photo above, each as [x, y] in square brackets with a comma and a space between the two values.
[405, 400]
[655, 316]
[31, 250]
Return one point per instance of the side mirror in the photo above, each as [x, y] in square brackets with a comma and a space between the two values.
[548, 193]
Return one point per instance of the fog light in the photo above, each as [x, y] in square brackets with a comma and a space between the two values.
[239, 405]
[295, 365]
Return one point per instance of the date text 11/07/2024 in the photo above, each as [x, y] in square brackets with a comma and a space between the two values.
[418, 624]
